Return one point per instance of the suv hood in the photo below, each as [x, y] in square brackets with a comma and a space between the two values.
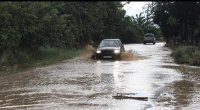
[148, 38]
[108, 48]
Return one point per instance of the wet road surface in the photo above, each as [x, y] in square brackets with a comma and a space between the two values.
[86, 84]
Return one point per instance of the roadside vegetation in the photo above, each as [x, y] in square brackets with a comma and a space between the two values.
[180, 25]
[32, 32]
[43, 57]
[187, 55]
[37, 33]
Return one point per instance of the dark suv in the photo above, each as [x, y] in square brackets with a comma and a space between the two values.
[149, 38]
[110, 48]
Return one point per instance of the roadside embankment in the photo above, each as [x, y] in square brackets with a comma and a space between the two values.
[187, 55]
[44, 56]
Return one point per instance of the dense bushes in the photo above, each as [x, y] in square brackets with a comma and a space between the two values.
[187, 54]
[178, 21]
[27, 26]
[43, 56]
[180, 25]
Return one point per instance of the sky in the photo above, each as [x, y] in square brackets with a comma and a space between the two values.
[134, 8]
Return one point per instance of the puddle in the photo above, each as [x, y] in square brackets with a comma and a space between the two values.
[86, 84]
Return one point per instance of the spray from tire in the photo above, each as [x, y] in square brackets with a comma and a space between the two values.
[127, 55]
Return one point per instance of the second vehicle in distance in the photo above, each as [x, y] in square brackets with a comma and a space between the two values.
[149, 38]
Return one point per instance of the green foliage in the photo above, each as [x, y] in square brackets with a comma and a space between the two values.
[27, 26]
[44, 56]
[196, 60]
[132, 34]
[186, 54]
[179, 21]
[50, 55]
[144, 25]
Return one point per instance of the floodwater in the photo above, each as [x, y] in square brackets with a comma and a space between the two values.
[86, 84]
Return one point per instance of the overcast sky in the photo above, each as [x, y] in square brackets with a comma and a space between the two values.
[135, 7]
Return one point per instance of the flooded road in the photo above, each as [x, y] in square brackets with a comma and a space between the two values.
[86, 84]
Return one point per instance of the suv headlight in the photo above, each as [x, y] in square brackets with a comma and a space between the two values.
[98, 51]
[116, 51]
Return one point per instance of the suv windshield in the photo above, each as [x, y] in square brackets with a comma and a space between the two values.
[149, 36]
[108, 43]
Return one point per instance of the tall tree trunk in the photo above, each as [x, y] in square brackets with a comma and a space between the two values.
[185, 34]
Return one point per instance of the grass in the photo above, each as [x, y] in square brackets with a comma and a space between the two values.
[53, 55]
[187, 55]
[44, 56]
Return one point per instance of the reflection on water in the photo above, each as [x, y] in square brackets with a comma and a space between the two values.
[98, 69]
[187, 91]
[89, 84]
[183, 92]
[109, 76]
[117, 74]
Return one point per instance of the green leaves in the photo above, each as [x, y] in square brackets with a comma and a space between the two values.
[30, 25]
[178, 19]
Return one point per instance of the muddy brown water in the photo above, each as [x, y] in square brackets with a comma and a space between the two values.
[86, 84]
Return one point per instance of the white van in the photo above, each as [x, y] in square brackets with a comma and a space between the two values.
[149, 38]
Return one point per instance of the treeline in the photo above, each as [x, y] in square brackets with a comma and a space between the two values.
[180, 26]
[26, 26]
[136, 27]
[178, 21]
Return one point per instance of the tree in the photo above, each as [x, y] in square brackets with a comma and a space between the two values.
[177, 20]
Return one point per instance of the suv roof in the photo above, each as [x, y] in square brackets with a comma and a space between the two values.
[149, 34]
[111, 39]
